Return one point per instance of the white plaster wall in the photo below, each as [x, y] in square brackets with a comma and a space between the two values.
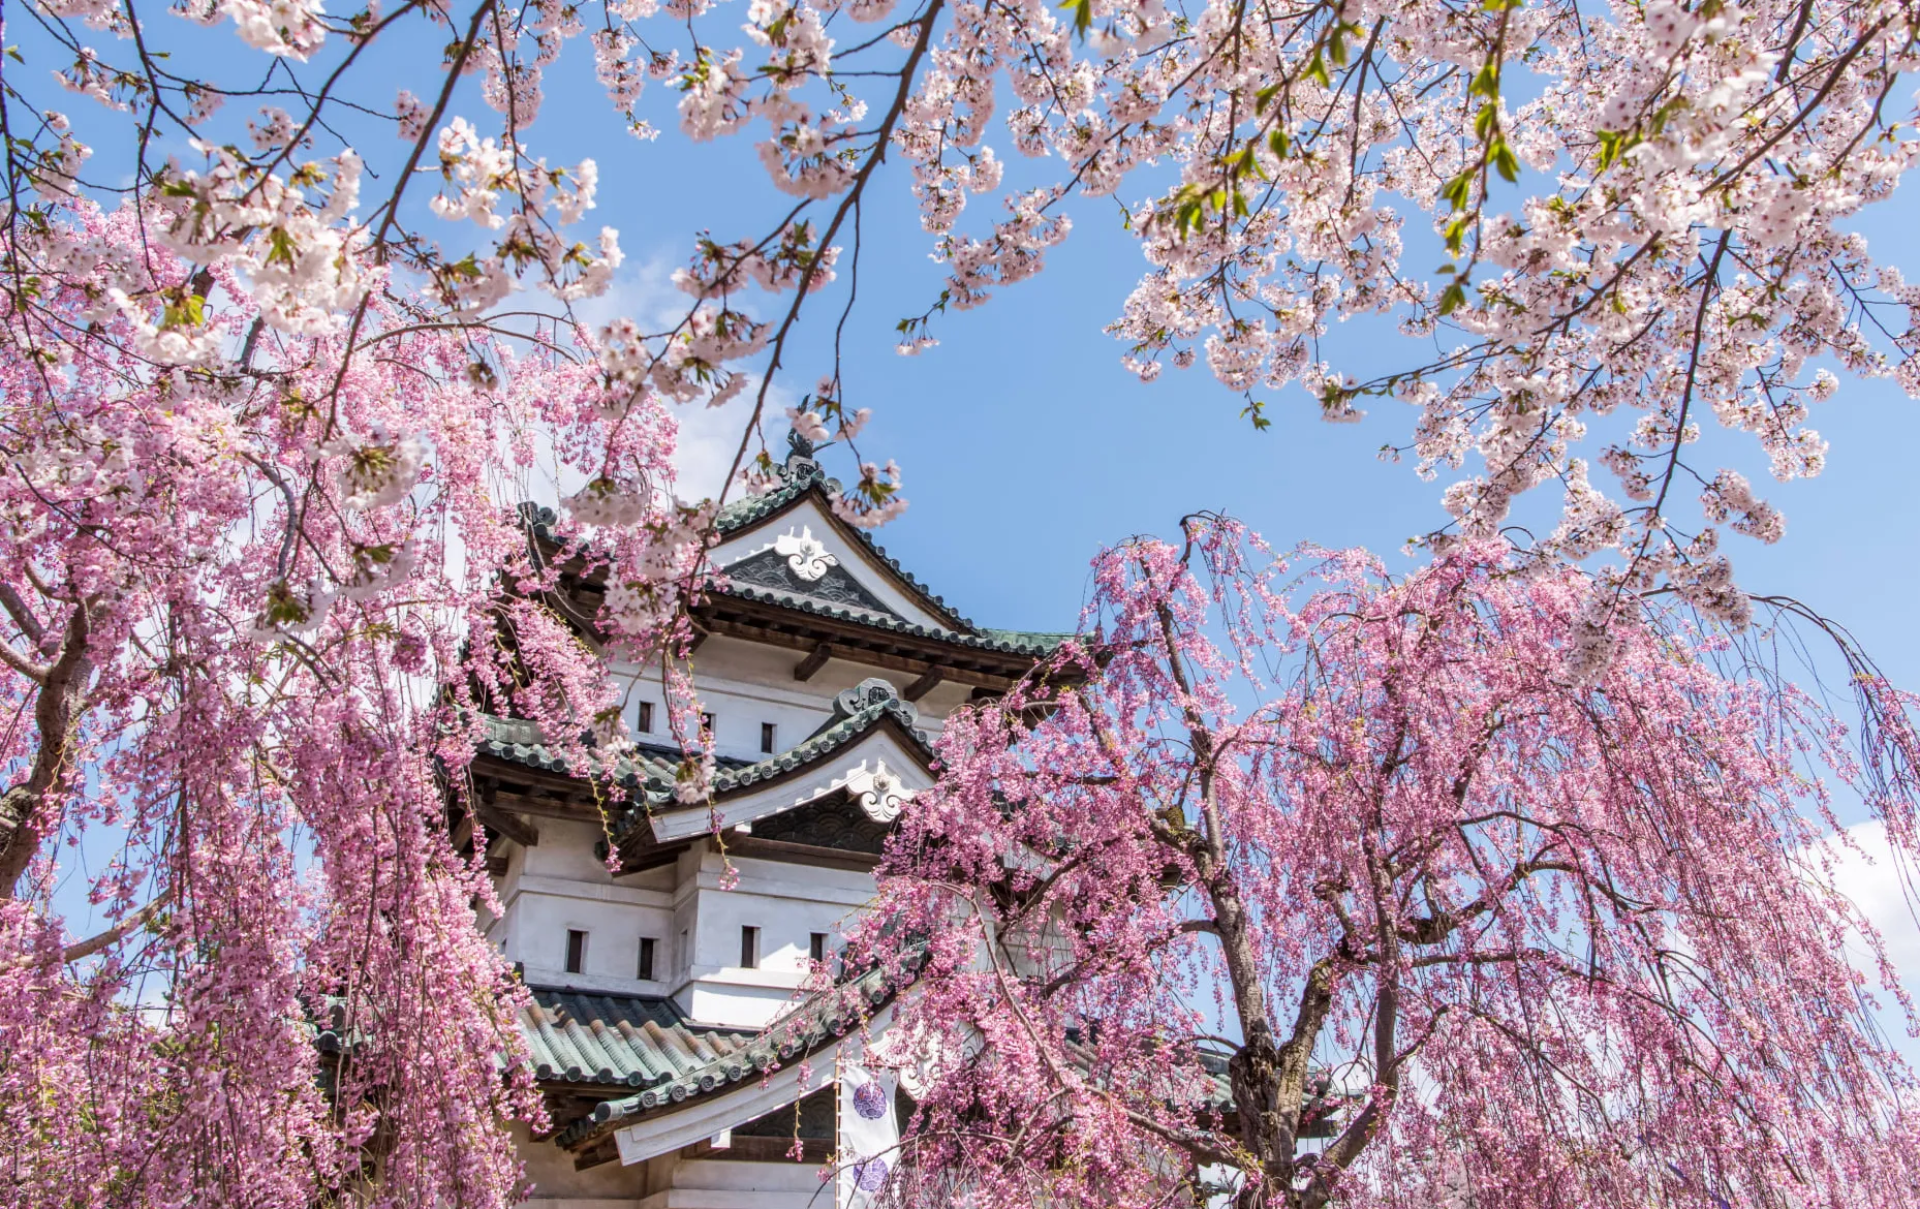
[695, 921]
[558, 886]
[744, 684]
[724, 1184]
[787, 903]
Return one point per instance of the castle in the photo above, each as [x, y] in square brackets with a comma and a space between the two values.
[824, 669]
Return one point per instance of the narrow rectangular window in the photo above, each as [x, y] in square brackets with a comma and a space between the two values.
[766, 736]
[576, 951]
[817, 946]
[686, 951]
[646, 957]
[646, 717]
[706, 723]
[749, 948]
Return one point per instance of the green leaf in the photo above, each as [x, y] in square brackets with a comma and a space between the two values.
[1505, 162]
[1486, 81]
[280, 248]
[1614, 144]
[1082, 15]
[1277, 142]
[1317, 71]
[1452, 298]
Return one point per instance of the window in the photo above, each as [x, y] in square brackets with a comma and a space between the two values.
[749, 948]
[766, 736]
[686, 951]
[647, 948]
[576, 951]
[817, 946]
[706, 723]
[646, 717]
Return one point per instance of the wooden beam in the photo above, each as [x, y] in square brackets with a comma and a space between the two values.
[599, 1153]
[851, 646]
[649, 856]
[801, 854]
[926, 683]
[815, 660]
[500, 822]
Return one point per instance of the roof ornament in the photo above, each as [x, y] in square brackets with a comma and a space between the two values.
[879, 792]
[800, 463]
[806, 555]
[869, 693]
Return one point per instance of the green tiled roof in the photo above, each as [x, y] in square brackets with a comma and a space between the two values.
[881, 703]
[733, 1054]
[1011, 642]
[799, 476]
[625, 1040]
[749, 509]
[520, 742]
[825, 741]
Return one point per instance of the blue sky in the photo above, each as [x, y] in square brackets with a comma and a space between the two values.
[1026, 447]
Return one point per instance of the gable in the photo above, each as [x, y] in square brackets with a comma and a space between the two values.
[803, 570]
[808, 540]
[830, 823]
[876, 769]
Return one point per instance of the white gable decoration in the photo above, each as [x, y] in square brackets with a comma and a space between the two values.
[877, 766]
[880, 792]
[825, 548]
[805, 554]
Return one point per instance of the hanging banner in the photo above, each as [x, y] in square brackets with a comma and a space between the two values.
[869, 1141]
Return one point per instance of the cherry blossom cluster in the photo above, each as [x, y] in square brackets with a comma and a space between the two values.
[1335, 890]
[254, 574]
[1641, 212]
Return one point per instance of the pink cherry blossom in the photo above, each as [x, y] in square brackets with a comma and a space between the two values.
[1340, 890]
[249, 620]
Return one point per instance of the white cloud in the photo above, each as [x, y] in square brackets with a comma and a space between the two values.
[1869, 874]
[709, 436]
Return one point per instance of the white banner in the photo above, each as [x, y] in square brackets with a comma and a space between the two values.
[869, 1142]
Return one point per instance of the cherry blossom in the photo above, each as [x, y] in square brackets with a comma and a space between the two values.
[246, 643]
[1339, 890]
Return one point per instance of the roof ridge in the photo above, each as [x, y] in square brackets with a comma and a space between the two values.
[816, 1021]
[800, 474]
[823, 742]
